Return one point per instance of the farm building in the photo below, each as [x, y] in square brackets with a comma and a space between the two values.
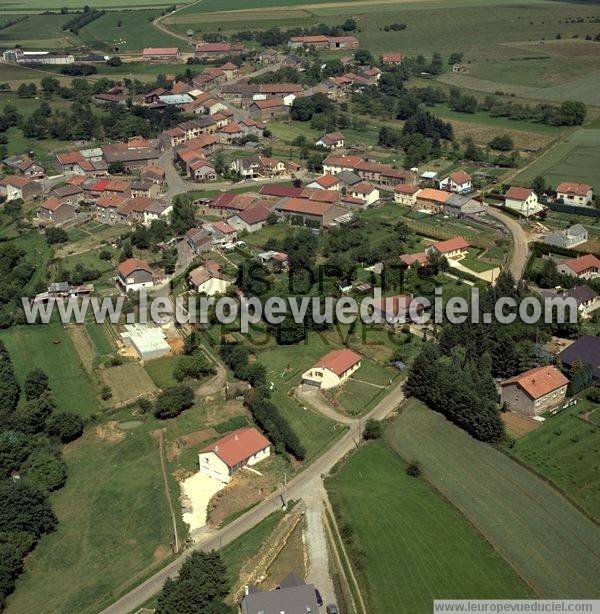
[148, 340]
[221, 459]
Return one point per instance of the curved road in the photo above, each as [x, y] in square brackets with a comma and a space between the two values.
[520, 248]
[304, 484]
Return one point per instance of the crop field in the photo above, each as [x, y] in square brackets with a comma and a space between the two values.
[123, 31]
[50, 348]
[565, 449]
[418, 547]
[114, 523]
[576, 159]
[549, 543]
[38, 32]
[12, 6]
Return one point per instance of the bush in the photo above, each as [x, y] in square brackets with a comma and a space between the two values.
[66, 426]
[56, 235]
[594, 394]
[105, 393]
[173, 401]
[373, 429]
[45, 471]
[193, 367]
[414, 469]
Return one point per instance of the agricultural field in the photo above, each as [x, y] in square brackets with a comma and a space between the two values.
[38, 32]
[126, 31]
[114, 523]
[575, 159]
[565, 451]
[43, 5]
[50, 348]
[549, 543]
[417, 546]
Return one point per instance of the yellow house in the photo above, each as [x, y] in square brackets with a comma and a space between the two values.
[333, 369]
[221, 459]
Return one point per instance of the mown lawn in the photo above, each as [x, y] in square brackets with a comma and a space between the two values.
[114, 523]
[285, 364]
[417, 546]
[566, 450]
[49, 347]
[161, 371]
[541, 534]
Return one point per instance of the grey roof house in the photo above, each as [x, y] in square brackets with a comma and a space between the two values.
[586, 350]
[458, 205]
[293, 596]
[571, 237]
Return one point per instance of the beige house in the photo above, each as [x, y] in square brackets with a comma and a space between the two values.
[534, 392]
[454, 248]
[333, 369]
[406, 194]
[208, 279]
[224, 457]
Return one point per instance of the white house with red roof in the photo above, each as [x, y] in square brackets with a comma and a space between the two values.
[332, 140]
[458, 181]
[578, 194]
[523, 201]
[134, 274]
[333, 369]
[240, 448]
[222, 232]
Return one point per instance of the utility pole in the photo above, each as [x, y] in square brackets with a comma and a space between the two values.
[285, 490]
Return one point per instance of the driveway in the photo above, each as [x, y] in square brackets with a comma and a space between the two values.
[301, 486]
[312, 396]
[197, 491]
[318, 553]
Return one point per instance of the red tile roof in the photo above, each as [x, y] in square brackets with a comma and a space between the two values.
[148, 51]
[438, 196]
[223, 227]
[539, 381]
[406, 188]
[577, 189]
[339, 361]
[327, 181]
[51, 204]
[460, 177]
[305, 206]
[238, 446]
[583, 263]
[127, 267]
[254, 215]
[517, 193]
[276, 189]
[269, 103]
[451, 245]
[392, 57]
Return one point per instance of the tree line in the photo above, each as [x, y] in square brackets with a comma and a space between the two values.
[31, 465]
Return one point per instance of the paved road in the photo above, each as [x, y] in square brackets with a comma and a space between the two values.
[303, 485]
[520, 248]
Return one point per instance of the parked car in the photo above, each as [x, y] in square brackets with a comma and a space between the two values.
[319, 598]
[332, 609]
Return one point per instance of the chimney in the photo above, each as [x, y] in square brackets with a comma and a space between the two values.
[236, 437]
[216, 448]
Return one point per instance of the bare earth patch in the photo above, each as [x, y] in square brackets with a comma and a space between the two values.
[518, 426]
[245, 490]
[110, 432]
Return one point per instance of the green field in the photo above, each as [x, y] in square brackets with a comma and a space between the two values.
[41, 5]
[122, 31]
[37, 32]
[114, 523]
[161, 371]
[49, 347]
[565, 450]
[576, 159]
[418, 547]
[285, 364]
[544, 537]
